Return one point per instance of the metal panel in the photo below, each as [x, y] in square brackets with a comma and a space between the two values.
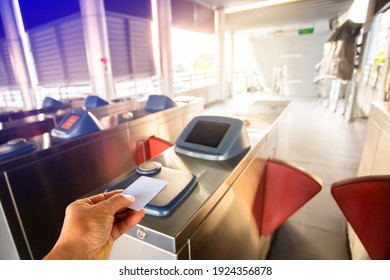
[42, 189]
[139, 250]
[27, 127]
[212, 241]
[8, 250]
[13, 223]
[36, 188]
[218, 217]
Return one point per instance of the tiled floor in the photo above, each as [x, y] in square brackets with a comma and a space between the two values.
[324, 143]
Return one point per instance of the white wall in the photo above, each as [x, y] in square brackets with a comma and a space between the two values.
[299, 54]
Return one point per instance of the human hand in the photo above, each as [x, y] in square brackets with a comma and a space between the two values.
[92, 224]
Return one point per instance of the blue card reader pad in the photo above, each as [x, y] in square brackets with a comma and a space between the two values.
[15, 147]
[179, 185]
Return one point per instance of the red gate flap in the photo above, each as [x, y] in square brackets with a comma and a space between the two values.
[287, 188]
[365, 202]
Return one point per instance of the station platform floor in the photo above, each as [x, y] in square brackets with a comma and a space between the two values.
[325, 143]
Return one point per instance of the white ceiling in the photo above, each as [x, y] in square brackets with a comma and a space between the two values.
[304, 13]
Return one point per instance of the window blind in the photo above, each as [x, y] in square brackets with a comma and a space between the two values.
[7, 77]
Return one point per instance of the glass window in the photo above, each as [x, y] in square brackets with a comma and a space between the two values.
[194, 59]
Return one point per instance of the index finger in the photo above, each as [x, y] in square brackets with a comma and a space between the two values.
[101, 197]
[117, 202]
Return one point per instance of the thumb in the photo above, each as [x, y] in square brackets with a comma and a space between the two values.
[119, 202]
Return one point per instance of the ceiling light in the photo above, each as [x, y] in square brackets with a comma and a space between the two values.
[256, 5]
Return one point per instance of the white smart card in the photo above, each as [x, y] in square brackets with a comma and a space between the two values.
[143, 190]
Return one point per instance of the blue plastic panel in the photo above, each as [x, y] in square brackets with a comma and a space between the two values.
[75, 124]
[157, 103]
[94, 101]
[14, 148]
[180, 185]
[50, 101]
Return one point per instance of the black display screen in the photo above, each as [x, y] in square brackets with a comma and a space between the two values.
[207, 133]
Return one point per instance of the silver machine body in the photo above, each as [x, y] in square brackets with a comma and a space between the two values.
[215, 221]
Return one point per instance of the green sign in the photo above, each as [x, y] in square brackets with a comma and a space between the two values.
[305, 31]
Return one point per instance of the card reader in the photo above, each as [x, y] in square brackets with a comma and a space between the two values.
[75, 124]
[179, 185]
[15, 147]
[213, 138]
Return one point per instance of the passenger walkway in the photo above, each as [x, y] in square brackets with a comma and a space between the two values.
[322, 142]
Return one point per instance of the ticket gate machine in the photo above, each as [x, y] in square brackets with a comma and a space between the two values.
[230, 213]
[80, 122]
[27, 127]
[38, 121]
[36, 187]
[49, 106]
[208, 207]
[205, 137]
[53, 112]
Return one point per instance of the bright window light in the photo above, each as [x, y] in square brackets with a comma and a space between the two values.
[192, 51]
